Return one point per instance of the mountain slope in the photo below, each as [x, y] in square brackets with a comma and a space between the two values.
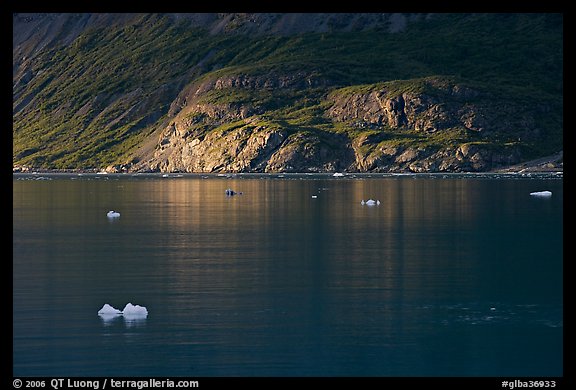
[286, 92]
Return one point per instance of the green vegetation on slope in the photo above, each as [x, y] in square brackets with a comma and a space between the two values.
[91, 103]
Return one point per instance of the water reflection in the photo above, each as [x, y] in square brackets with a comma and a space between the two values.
[109, 319]
[275, 282]
[134, 320]
[130, 320]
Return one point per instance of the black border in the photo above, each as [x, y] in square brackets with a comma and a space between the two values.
[396, 382]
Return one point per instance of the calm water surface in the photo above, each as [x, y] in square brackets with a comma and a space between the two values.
[457, 276]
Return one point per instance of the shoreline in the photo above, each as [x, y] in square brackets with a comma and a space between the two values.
[552, 163]
[549, 164]
[37, 175]
[511, 171]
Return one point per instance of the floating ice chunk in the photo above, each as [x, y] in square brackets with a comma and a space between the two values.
[133, 314]
[230, 192]
[541, 193]
[134, 310]
[370, 202]
[113, 214]
[130, 310]
[109, 310]
[338, 174]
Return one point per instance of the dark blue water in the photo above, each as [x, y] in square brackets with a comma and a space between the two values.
[455, 276]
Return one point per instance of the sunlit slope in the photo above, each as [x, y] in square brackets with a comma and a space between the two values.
[442, 93]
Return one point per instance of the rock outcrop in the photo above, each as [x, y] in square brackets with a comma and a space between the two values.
[438, 104]
[391, 128]
[210, 133]
[241, 148]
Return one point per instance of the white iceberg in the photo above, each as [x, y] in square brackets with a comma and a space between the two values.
[108, 310]
[541, 193]
[370, 202]
[134, 310]
[113, 214]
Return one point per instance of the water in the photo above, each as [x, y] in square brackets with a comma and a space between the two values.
[454, 276]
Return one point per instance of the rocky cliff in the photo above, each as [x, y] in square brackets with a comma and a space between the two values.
[387, 128]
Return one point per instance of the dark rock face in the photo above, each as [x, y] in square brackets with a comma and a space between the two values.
[440, 108]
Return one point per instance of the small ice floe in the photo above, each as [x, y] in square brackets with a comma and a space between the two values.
[544, 194]
[130, 310]
[370, 202]
[113, 214]
[108, 310]
[338, 174]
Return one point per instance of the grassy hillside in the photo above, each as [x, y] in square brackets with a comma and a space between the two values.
[91, 103]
